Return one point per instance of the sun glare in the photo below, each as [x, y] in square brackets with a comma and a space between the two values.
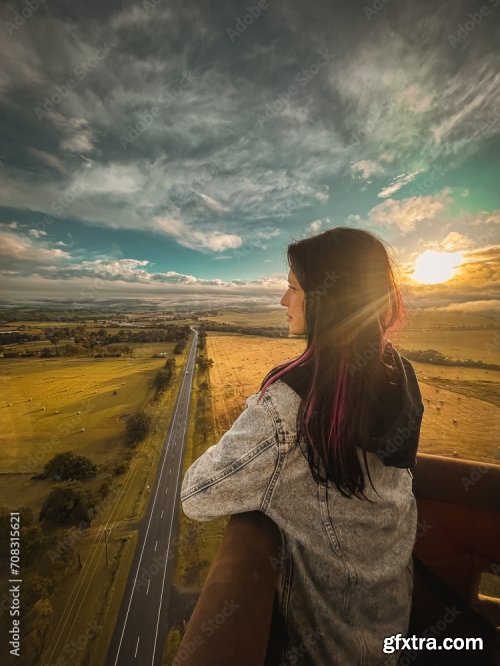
[434, 267]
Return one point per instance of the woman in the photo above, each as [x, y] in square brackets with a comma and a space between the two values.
[324, 450]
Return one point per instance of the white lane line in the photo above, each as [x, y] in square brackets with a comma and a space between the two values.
[149, 583]
[167, 556]
[145, 536]
[156, 545]
[169, 470]
[166, 490]
[137, 646]
[161, 514]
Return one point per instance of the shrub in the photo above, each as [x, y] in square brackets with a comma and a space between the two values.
[68, 465]
[68, 502]
[137, 427]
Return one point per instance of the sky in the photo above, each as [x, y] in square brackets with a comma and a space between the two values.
[168, 151]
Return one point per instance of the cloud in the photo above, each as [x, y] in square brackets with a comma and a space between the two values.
[470, 306]
[76, 134]
[195, 239]
[485, 217]
[20, 248]
[406, 213]
[211, 203]
[398, 182]
[453, 242]
[315, 226]
[37, 233]
[365, 169]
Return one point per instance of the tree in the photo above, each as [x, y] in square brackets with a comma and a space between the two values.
[170, 364]
[36, 587]
[138, 425]
[68, 502]
[32, 541]
[204, 363]
[37, 624]
[162, 379]
[69, 465]
[55, 339]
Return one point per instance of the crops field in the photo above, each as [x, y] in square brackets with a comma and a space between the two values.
[468, 395]
[58, 404]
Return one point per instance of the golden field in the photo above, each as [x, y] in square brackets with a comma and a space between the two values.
[241, 362]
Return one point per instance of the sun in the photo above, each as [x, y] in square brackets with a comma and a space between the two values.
[434, 267]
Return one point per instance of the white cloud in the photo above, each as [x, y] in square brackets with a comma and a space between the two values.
[22, 249]
[114, 178]
[185, 235]
[398, 182]
[212, 203]
[406, 213]
[315, 225]
[37, 233]
[455, 241]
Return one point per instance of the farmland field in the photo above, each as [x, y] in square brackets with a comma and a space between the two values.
[47, 402]
[468, 395]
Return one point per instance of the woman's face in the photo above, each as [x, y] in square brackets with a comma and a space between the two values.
[293, 300]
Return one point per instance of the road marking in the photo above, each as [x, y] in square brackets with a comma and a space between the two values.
[169, 470]
[149, 583]
[161, 514]
[166, 559]
[156, 545]
[136, 646]
[178, 402]
[166, 490]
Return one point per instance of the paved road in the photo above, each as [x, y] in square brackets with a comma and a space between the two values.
[141, 628]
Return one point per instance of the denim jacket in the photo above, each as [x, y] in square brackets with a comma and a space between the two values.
[347, 576]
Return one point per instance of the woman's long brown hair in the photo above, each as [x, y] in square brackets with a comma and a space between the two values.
[351, 303]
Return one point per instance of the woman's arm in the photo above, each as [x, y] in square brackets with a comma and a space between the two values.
[234, 475]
